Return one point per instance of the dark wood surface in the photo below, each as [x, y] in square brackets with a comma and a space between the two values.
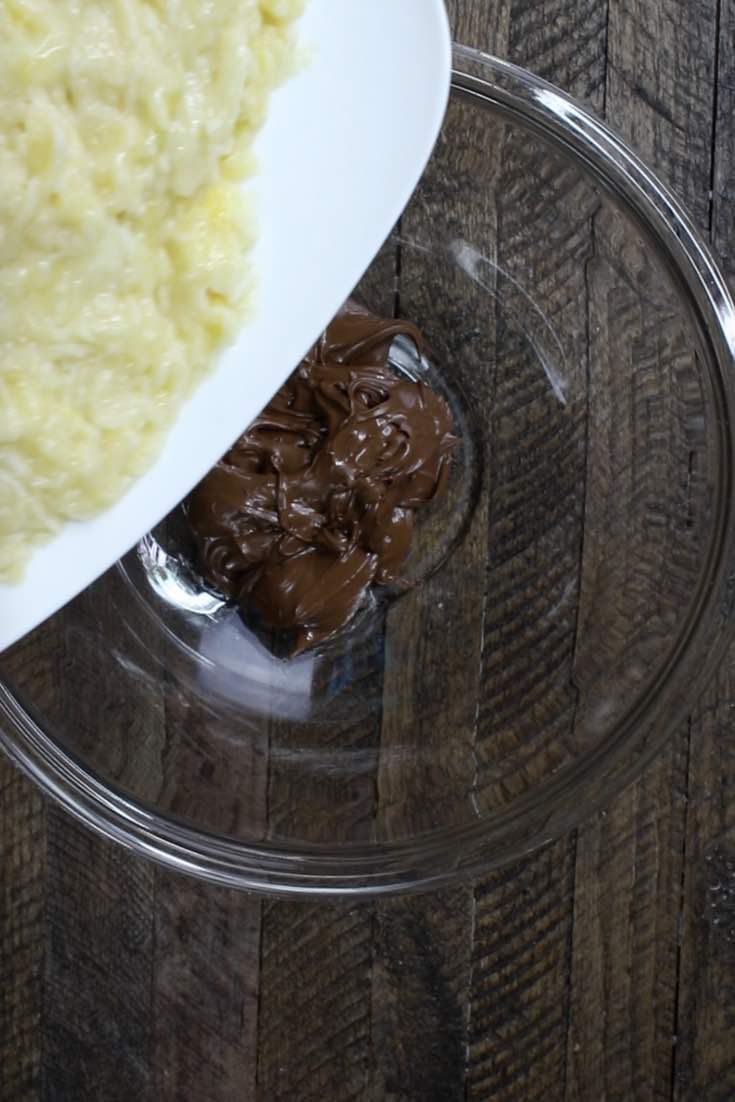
[600, 969]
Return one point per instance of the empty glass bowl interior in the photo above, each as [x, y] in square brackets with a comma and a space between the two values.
[568, 596]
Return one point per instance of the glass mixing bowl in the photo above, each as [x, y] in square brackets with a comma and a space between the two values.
[572, 591]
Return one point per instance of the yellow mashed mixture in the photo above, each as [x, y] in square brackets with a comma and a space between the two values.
[125, 133]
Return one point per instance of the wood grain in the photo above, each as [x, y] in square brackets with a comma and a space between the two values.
[22, 845]
[99, 899]
[660, 89]
[93, 980]
[519, 993]
[434, 633]
[481, 24]
[563, 42]
[705, 1054]
[420, 987]
[630, 861]
[205, 992]
[722, 161]
[314, 1020]
[96, 1031]
[23, 834]
[624, 961]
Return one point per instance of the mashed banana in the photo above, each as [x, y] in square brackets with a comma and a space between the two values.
[125, 133]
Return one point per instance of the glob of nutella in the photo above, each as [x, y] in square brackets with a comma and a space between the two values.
[315, 503]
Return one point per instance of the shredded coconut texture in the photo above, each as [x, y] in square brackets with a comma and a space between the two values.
[126, 131]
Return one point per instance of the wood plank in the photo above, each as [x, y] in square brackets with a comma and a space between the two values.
[481, 24]
[705, 1057]
[660, 89]
[314, 1020]
[22, 853]
[523, 915]
[96, 1032]
[520, 965]
[168, 964]
[321, 784]
[213, 767]
[90, 978]
[420, 985]
[95, 984]
[629, 860]
[206, 763]
[629, 864]
[117, 731]
[538, 442]
[566, 43]
[205, 991]
[98, 976]
[722, 206]
[434, 632]
[29, 666]
[515, 1031]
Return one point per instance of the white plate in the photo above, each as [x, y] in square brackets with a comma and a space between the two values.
[344, 146]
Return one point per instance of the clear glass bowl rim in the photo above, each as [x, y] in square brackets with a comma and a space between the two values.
[434, 859]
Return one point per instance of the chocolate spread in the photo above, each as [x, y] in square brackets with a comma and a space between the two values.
[315, 503]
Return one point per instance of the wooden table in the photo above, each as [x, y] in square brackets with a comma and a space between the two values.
[601, 968]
